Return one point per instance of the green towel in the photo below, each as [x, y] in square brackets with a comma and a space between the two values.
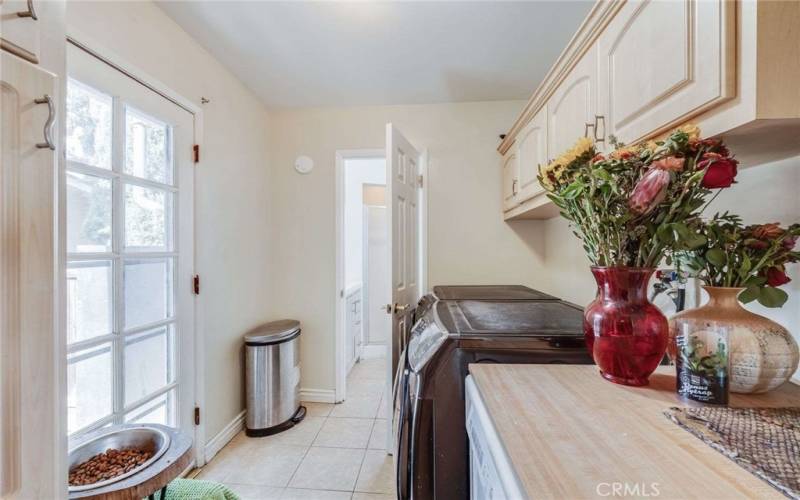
[196, 489]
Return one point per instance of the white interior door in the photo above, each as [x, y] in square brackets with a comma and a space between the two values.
[130, 251]
[402, 185]
[31, 441]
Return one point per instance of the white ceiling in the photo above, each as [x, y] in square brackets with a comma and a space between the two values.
[294, 54]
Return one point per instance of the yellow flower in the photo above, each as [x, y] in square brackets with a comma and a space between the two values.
[651, 145]
[625, 152]
[692, 130]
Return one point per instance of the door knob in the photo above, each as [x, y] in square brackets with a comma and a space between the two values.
[398, 309]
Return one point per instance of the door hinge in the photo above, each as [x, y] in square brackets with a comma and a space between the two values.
[196, 153]
[196, 284]
[419, 180]
[196, 415]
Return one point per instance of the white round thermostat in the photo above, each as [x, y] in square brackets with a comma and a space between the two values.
[304, 165]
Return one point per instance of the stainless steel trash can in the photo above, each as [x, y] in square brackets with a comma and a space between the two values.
[272, 366]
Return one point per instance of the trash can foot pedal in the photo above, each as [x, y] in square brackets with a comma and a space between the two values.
[299, 415]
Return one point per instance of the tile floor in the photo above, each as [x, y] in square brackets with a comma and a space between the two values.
[336, 452]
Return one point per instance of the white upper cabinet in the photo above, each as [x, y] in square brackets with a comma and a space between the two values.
[571, 109]
[532, 152]
[510, 180]
[659, 63]
[20, 31]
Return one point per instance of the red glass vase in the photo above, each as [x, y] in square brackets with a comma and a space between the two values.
[626, 334]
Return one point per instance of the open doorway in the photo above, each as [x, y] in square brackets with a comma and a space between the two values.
[381, 269]
[364, 277]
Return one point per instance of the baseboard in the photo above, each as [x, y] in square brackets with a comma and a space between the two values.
[318, 395]
[225, 435]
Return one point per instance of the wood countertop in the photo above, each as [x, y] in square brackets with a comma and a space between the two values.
[571, 434]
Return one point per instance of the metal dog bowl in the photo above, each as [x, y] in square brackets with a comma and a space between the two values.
[142, 437]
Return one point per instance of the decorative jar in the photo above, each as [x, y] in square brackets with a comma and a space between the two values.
[763, 354]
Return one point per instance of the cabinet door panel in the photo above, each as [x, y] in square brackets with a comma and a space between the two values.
[510, 179]
[572, 106]
[683, 71]
[29, 420]
[532, 152]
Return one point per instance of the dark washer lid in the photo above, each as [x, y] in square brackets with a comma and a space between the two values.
[527, 318]
[273, 332]
[489, 292]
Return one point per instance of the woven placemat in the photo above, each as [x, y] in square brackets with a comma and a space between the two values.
[765, 441]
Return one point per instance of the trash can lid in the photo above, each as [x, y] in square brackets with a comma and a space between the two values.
[273, 332]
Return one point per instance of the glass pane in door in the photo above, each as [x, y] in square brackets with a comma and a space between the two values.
[148, 363]
[160, 410]
[147, 219]
[88, 213]
[90, 395]
[147, 147]
[90, 310]
[148, 291]
[88, 125]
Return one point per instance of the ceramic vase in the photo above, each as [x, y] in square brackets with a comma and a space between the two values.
[626, 334]
[763, 354]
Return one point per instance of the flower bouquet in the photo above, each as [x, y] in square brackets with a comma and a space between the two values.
[748, 263]
[751, 257]
[630, 209]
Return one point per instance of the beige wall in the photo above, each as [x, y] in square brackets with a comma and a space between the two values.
[232, 183]
[468, 240]
[765, 193]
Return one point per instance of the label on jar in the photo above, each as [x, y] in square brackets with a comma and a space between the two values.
[702, 366]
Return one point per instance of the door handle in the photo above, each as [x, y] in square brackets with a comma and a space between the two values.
[31, 12]
[48, 125]
[397, 308]
[514, 187]
[598, 119]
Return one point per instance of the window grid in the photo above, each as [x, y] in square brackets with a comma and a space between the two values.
[118, 256]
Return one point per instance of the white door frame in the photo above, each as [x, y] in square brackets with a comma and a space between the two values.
[340, 333]
[116, 61]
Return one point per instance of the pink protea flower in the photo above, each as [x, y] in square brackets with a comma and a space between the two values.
[649, 191]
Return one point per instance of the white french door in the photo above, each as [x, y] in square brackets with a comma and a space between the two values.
[129, 251]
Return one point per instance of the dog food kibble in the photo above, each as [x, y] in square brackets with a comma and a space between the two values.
[107, 465]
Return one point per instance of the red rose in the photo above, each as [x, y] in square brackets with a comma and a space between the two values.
[720, 170]
[649, 191]
[789, 243]
[776, 277]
